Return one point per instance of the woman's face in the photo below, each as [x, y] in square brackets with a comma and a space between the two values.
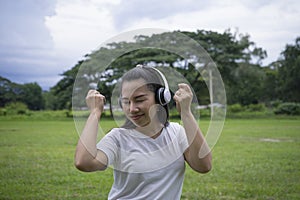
[138, 102]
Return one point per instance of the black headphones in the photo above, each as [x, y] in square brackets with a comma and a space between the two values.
[163, 94]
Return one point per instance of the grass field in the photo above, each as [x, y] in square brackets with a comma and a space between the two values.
[253, 159]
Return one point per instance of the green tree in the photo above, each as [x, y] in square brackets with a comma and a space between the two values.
[229, 50]
[249, 85]
[60, 95]
[29, 93]
[49, 100]
[6, 92]
[271, 83]
[289, 73]
[32, 96]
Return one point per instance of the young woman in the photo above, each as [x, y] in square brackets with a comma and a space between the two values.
[148, 153]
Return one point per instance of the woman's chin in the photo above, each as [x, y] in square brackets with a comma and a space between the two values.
[141, 124]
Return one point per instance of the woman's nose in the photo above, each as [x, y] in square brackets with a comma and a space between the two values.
[133, 108]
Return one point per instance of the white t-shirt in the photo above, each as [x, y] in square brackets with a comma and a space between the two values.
[146, 168]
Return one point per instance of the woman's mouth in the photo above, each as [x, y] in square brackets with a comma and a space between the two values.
[136, 117]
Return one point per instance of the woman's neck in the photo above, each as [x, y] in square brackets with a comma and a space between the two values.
[152, 130]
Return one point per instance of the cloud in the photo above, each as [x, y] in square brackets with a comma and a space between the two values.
[25, 43]
[270, 24]
[22, 23]
[128, 12]
[77, 28]
[41, 39]
[87, 24]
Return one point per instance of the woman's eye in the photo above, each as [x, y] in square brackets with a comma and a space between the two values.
[125, 102]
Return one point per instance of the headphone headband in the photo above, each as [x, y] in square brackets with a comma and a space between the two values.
[164, 94]
[166, 85]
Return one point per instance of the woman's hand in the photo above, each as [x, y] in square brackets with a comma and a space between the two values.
[95, 101]
[183, 98]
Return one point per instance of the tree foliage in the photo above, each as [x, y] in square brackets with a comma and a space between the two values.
[289, 73]
[29, 93]
[60, 96]
[238, 59]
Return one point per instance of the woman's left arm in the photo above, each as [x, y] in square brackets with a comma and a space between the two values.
[198, 154]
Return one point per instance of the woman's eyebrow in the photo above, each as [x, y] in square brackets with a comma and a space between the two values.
[135, 97]
[140, 96]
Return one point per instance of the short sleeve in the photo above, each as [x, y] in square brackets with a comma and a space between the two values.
[109, 145]
[180, 134]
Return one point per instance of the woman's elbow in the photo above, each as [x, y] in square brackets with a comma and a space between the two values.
[205, 169]
[205, 165]
[80, 165]
[89, 166]
[202, 168]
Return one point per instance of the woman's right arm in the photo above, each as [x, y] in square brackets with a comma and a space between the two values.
[87, 157]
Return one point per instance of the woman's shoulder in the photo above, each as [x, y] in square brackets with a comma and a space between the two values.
[117, 131]
[115, 134]
[178, 131]
[175, 128]
[174, 125]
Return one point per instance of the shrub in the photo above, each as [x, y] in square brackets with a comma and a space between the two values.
[256, 107]
[288, 109]
[276, 103]
[235, 108]
[69, 113]
[16, 108]
[3, 112]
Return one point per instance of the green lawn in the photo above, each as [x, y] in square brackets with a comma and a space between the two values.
[253, 159]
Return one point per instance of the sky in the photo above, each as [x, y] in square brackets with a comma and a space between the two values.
[40, 39]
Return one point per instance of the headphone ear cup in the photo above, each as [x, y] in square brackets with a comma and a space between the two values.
[167, 96]
[159, 95]
[163, 96]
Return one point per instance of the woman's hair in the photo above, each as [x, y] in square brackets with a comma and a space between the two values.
[153, 82]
